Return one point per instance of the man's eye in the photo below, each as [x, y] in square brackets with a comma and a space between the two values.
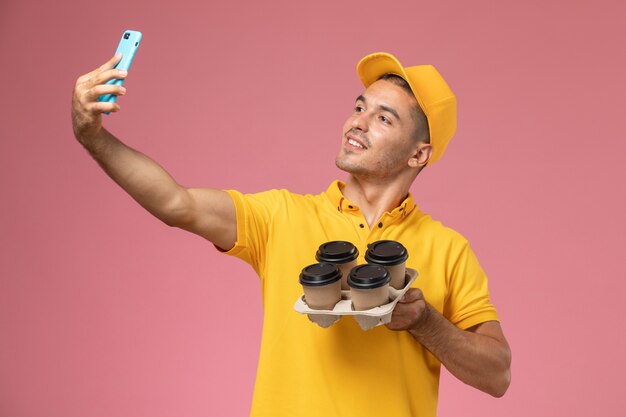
[385, 120]
[359, 109]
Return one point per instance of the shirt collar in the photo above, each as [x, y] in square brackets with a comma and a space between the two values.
[342, 204]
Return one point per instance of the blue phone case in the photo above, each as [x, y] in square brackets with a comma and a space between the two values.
[128, 47]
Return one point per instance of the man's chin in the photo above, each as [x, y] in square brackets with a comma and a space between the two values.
[345, 166]
[341, 164]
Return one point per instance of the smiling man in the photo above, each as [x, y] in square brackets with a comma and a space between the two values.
[401, 123]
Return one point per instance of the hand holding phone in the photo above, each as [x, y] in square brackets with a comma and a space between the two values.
[128, 48]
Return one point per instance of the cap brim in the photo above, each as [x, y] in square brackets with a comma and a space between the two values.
[373, 66]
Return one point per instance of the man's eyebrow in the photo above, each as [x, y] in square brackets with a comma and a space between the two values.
[390, 110]
[381, 106]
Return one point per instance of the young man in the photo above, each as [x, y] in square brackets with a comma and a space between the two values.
[401, 123]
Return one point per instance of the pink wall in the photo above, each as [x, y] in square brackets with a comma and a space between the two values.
[105, 311]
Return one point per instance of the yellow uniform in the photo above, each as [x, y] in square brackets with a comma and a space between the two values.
[305, 370]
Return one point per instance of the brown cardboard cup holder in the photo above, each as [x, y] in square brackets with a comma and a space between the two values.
[366, 319]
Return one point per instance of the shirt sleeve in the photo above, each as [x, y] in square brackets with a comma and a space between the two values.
[254, 214]
[468, 302]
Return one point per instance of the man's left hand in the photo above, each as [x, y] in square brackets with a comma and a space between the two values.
[409, 312]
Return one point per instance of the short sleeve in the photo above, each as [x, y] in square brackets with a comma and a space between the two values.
[467, 303]
[254, 214]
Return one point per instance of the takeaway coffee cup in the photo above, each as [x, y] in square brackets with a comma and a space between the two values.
[392, 255]
[322, 285]
[369, 286]
[340, 253]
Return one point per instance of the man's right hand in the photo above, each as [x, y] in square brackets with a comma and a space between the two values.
[86, 109]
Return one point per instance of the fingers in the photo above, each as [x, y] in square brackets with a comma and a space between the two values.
[86, 98]
[86, 109]
[96, 91]
[97, 83]
[111, 63]
[90, 86]
[103, 107]
[402, 317]
[412, 295]
[97, 107]
[101, 77]
[409, 311]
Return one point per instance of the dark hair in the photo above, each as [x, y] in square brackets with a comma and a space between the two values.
[422, 133]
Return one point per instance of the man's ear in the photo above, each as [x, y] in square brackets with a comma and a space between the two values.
[422, 155]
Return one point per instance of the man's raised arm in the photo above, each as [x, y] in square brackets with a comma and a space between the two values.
[206, 212]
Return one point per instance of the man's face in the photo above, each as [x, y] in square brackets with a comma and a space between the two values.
[379, 136]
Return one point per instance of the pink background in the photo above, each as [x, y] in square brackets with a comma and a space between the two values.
[105, 311]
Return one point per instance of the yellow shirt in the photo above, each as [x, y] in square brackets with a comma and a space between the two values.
[305, 370]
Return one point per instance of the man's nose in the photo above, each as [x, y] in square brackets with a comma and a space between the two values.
[360, 121]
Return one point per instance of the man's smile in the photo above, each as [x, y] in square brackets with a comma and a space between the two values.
[354, 140]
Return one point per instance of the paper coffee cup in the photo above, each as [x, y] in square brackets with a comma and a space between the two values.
[369, 286]
[340, 253]
[322, 286]
[392, 255]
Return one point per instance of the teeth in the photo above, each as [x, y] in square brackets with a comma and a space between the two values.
[355, 143]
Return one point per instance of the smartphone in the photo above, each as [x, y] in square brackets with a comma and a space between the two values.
[128, 47]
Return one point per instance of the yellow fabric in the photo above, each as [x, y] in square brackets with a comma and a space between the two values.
[305, 370]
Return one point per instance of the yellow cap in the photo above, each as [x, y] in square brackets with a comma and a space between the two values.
[433, 95]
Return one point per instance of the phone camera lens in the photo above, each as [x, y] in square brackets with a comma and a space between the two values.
[126, 35]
